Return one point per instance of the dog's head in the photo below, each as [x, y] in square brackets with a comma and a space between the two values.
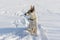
[29, 12]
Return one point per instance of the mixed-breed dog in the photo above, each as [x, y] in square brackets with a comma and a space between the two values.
[31, 17]
[33, 25]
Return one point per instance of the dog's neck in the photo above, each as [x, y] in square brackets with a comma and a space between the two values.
[32, 19]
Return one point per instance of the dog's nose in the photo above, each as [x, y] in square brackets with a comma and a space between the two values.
[25, 14]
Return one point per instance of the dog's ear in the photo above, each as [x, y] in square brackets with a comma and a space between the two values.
[32, 9]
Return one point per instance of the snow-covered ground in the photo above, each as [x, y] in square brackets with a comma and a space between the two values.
[48, 12]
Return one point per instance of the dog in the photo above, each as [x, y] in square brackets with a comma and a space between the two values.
[31, 17]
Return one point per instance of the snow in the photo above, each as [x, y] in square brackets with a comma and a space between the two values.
[17, 34]
[8, 37]
[48, 12]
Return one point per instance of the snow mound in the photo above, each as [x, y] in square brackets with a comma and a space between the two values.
[9, 36]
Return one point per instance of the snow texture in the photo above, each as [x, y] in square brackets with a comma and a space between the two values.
[12, 26]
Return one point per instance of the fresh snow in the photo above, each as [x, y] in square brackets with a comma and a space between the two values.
[12, 26]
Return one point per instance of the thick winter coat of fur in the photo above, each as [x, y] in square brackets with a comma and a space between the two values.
[31, 17]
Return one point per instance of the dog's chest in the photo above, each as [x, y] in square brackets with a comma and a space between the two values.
[32, 16]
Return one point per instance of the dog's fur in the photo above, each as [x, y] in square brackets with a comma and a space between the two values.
[32, 29]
